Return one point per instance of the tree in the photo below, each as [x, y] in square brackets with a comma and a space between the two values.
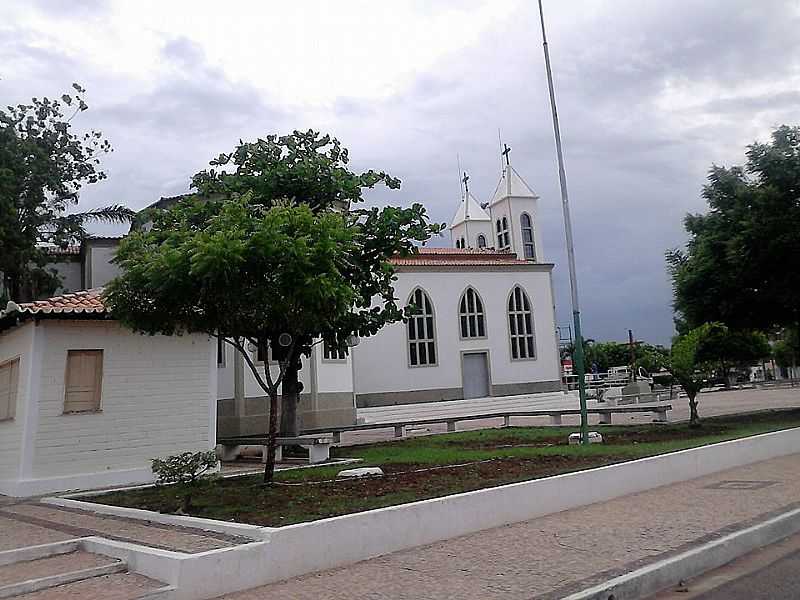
[43, 166]
[687, 363]
[310, 169]
[741, 265]
[278, 274]
[733, 349]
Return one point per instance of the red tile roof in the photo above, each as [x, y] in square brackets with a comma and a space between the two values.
[83, 302]
[456, 257]
[56, 251]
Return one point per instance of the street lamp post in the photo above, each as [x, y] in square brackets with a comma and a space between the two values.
[573, 281]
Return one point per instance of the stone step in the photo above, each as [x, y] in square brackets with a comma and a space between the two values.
[119, 586]
[33, 576]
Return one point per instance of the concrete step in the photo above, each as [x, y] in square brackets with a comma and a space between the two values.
[27, 576]
[119, 586]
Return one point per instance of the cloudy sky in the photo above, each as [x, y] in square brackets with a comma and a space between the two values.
[650, 95]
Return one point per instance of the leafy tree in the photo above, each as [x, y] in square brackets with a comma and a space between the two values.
[741, 265]
[307, 168]
[43, 166]
[732, 349]
[786, 350]
[688, 366]
[278, 274]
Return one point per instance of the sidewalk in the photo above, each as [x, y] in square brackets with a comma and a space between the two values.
[562, 553]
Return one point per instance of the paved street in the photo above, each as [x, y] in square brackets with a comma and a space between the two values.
[771, 573]
[550, 557]
[710, 404]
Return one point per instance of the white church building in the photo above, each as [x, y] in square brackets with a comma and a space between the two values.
[85, 402]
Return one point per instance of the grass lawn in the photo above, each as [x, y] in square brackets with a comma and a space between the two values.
[437, 465]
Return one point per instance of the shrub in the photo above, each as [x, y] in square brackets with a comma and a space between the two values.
[186, 468]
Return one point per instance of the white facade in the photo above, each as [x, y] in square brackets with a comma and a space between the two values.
[384, 374]
[158, 398]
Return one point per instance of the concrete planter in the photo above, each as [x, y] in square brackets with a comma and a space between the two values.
[306, 547]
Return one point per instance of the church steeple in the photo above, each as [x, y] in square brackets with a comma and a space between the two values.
[471, 225]
[513, 209]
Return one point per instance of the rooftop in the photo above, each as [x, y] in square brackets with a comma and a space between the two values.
[456, 257]
[83, 302]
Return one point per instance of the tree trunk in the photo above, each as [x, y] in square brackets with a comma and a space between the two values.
[694, 417]
[290, 398]
[269, 466]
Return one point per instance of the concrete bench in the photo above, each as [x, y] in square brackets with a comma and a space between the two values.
[556, 415]
[318, 446]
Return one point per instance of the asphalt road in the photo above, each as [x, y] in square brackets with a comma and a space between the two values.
[770, 573]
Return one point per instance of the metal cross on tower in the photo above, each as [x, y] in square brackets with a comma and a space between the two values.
[466, 185]
[506, 151]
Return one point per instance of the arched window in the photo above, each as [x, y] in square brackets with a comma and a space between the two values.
[520, 325]
[472, 320]
[458, 243]
[463, 245]
[502, 234]
[506, 242]
[421, 331]
[499, 228]
[527, 236]
[481, 241]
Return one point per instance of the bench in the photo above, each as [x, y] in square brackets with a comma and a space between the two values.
[556, 415]
[318, 446]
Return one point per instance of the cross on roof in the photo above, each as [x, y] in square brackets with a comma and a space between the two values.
[506, 151]
[466, 185]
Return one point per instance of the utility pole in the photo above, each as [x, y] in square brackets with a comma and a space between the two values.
[631, 345]
[579, 366]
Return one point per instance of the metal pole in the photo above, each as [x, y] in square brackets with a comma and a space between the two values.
[573, 281]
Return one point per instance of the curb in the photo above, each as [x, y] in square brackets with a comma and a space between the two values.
[659, 576]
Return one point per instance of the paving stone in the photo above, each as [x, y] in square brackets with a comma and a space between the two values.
[555, 555]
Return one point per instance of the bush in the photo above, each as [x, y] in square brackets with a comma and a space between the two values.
[186, 468]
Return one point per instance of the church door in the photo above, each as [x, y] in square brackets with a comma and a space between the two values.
[475, 374]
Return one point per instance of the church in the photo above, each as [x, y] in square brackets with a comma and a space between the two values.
[84, 402]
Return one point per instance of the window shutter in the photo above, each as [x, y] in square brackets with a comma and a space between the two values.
[9, 380]
[83, 381]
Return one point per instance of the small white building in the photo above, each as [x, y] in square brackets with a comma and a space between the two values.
[86, 403]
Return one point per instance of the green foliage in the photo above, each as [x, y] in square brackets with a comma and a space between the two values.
[187, 467]
[304, 167]
[615, 354]
[742, 263]
[734, 348]
[185, 470]
[278, 246]
[43, 166]
[786, 351]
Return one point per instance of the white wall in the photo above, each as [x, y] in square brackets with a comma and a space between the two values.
[382, 360]
[156, 398]
[470, 231]
[70, 273]
[16, 342]
[100, 269]
[512, 208]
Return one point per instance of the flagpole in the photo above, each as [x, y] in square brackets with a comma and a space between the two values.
[573, 280]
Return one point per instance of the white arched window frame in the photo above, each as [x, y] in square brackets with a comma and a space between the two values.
[421, 331]
[481, 241]
[471, 315]
[520, 325]
[528, 245]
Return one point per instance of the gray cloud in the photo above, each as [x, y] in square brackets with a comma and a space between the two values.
[650, 95]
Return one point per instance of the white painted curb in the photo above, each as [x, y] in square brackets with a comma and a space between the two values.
[252, 532]
[670, 571]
